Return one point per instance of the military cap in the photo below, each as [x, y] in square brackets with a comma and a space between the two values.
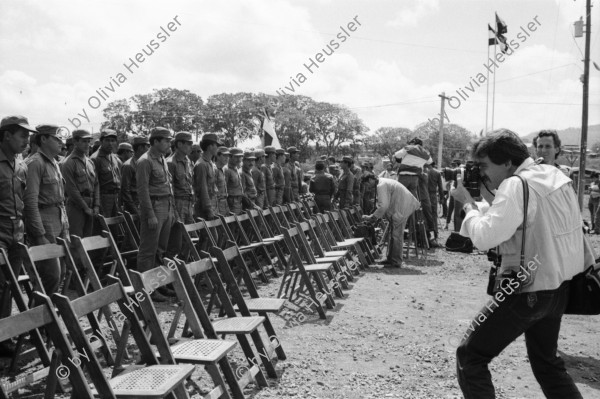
[140, 140]
[81, 134]
[125, 146]
[280, 151]
[270, 150]
[323, 157]
[334, 167]
[346, 158]
[183, 136]
[17, 120]
[287, 154]
[249, 155]
[160, 133]
[320, 162]
[108, 133]
[211, 137]
[259, 153]
[223, 151]
[196, 146]
[236, 152]
[51, 130]
[292, 150]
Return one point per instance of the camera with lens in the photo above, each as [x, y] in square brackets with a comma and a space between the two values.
[471, 177]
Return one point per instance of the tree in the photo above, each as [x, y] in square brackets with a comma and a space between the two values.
[335, 125]
[457, 141]
[387, 140]
[292, 125]
[232, 115]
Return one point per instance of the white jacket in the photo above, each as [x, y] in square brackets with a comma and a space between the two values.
[394, 200]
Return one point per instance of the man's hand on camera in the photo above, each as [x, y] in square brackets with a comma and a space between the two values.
[460, 193]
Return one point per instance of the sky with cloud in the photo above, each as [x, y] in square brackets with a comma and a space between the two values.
[389, 70]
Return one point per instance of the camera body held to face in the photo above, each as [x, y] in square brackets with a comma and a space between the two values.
[470, 175]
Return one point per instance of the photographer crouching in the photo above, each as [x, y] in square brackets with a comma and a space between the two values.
[531, 288]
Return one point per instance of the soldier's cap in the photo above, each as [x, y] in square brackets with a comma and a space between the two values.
[292, 150]
[196, 146]
[81, 134]
[51, 130]
[211, 137]
[280, 151]
[17, 120]
[137, 140]
[108, 133]
[334, 167]
[270, 150]
[125, 146]
[346, 158]
[332, 159]
[236, 152]
[287, 154]
[223, 151]
[320, 162]
[323, 157]
[184, 136]
[259, 153]
[160, 133]
[249, 155]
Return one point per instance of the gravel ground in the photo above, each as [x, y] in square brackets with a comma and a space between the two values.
[394, 335]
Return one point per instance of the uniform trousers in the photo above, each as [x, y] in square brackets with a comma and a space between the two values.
[153, 242]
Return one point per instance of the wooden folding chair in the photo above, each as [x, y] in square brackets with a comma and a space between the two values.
[325, 230]
[343, 234]
[307, 274]
[278, 218]
[272, 246]
[312, 207]
[133, 221]
[148, 378]
[122, 236]
[232, 258]
[289, 215]
[205, 348]
[232, 323]
[61, 363]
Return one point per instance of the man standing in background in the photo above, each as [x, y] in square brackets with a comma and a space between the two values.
[259, 178]
[108, 170]
[278, 177]
[129, 197]
[222, 161]
[267, 169]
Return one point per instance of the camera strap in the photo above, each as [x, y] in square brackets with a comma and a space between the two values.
[525, 205]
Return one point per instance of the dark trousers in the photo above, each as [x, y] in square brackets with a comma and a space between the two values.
[433, 200]
[425, 203]
[538, 316]
[153, 242]
[593, 207]
[11, 234]
[109, 206]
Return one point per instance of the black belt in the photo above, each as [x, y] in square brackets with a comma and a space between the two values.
[159, 197]
[45, 206]
[187, 197]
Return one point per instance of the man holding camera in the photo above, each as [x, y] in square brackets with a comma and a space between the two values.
[553, 254]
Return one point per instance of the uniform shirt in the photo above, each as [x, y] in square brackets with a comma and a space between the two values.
[180, 168]
[299, 174]
[129, 195]
[45, 187]
[80, 181]
[278, 177]
[268, 172]
[108, 169]
[259, 179]
[294, 184]
[554, 241]
[233, 179]
[248, 186]
[205, 184]
[153, 180]
[13, 175]
[413, 157]
[322, 184]
[345, 185]
[221, 182]
[287, 177]
[394, 200]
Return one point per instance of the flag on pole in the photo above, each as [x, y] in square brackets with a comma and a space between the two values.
[269, 137]
[495, 38]
[501, 27]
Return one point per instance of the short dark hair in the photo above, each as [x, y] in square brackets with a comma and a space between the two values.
[548, 133]
[320, 166]
[138, 145]
[122, 150]
[38, 138]
[153, 139]
[204, 144]
[501, 146]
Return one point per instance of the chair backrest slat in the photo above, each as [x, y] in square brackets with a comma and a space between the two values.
[95, 242]
[21, 323]
[96, 300]
[45, 252]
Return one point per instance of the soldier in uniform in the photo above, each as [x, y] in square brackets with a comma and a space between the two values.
[278, 177]
[45, 213]
[195, 154]
[288, 171]
[222, 160]
[294, 183]
[129, 197]
[334, 170]
[267, 169]
[108, 170]
[33, 148]
[156, 202]
[205, 178]
[356, 192]
[294, 160]
[124, 152]
[14, 134]
[260, 179]
[248, 187]
[234, 181]
[346, 184]
[322, 186]
[180, 169]
[81, 186]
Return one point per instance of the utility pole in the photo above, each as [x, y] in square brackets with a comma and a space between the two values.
[584, 113]
[441, 137]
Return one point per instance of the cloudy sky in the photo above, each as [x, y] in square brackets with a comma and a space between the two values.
[389, 70]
